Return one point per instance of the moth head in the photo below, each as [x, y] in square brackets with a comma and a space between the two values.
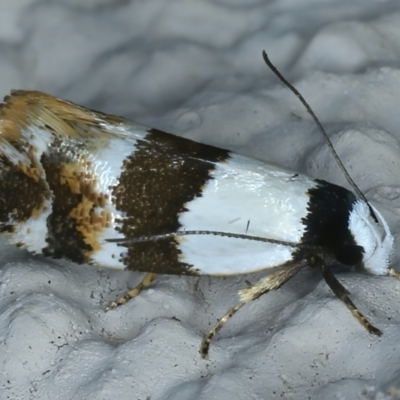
[373, 235]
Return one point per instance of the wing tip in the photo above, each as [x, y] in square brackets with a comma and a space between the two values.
[24, 109]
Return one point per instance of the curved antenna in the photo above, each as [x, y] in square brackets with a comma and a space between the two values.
[151, 238]
[359, 193]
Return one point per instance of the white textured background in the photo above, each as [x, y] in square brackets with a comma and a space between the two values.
[194, 67]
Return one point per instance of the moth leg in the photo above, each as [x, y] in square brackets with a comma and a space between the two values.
[271, 282]
[146, 282]
[342, 293]
[394, 273]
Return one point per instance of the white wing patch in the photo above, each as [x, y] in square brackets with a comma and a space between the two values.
[245, 197]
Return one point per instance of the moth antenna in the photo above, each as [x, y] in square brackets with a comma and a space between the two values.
[349, 179]
[151, 238]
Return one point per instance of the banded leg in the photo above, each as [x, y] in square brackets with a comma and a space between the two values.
[394, 273]
[146, 282]
[264, 285]
[342, 293]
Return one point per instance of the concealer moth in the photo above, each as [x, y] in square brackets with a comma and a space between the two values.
[96, 188]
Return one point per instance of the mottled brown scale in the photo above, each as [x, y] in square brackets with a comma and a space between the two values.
[64, 240]
[22, 196]
[164, 173]
[61, 174]
[75, 221]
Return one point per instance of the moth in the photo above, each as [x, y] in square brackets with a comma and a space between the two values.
[96, 188]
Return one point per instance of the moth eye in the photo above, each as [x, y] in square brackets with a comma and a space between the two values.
[350, 254]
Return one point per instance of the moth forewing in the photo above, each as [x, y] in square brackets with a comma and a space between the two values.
[95, 188]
